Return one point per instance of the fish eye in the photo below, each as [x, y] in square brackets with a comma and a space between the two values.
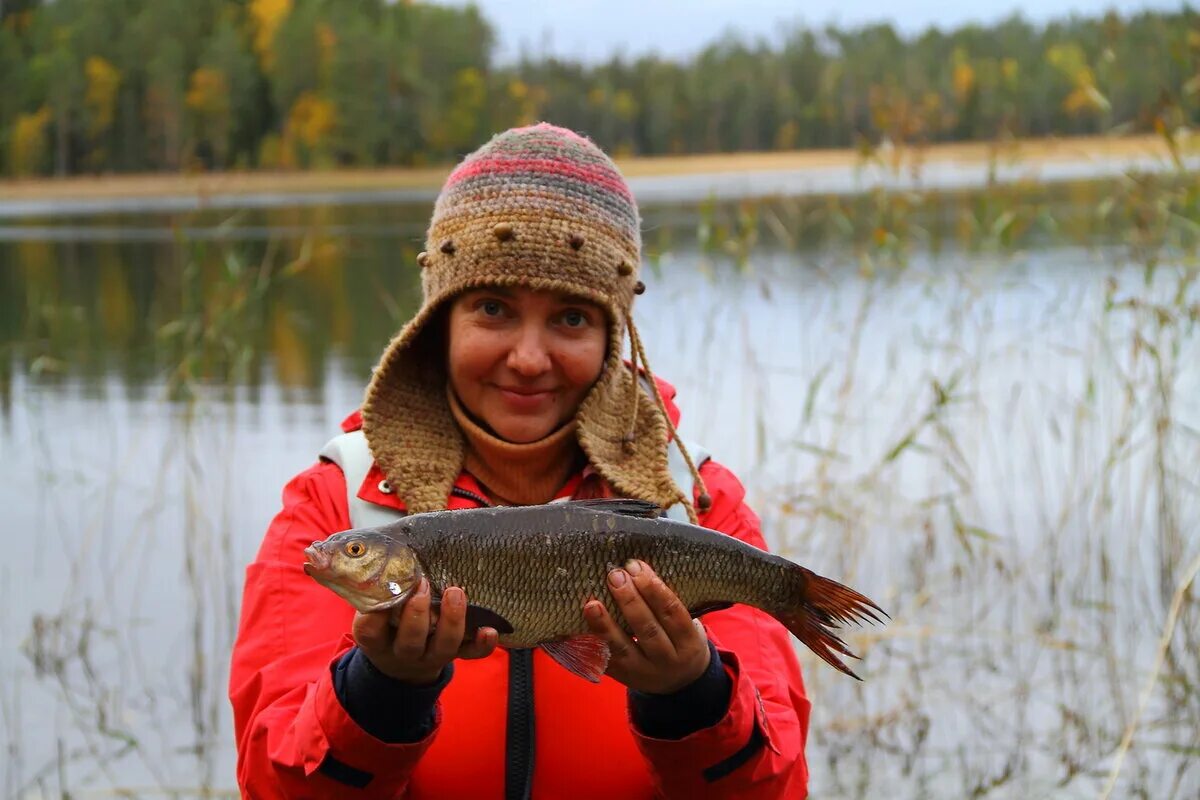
[355, 549]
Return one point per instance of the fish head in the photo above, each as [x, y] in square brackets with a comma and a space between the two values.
[369, 569]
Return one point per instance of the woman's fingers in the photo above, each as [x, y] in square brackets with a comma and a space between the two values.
[481, 646]
[413, 643]
[670, 651]
[623, 654]
[626, 587]
[412, 631]
[448, 636]
[664, 604]
[372, 632]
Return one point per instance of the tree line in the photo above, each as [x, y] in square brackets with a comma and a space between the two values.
[100, 86]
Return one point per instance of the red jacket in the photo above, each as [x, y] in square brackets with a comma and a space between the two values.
[288, 719]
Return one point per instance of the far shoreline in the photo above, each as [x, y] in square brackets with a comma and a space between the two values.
[810, 170]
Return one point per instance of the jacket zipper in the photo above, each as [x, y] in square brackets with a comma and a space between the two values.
[519, 726]
[468, 494]
[518, 739]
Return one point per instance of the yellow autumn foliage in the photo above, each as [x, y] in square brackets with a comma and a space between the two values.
[117, 309]
[326, 46]
[1085, 98]
[524, 102]
[457, 127]
[311, 119]
[28, 143]
[964, 80]
[1010, 71]
[1071, 61]
[624, 106]
[100, 98]
[291, 357]
[267, 16]
[963, 76]
[208, 92]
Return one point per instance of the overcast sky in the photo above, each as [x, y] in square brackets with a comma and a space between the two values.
[594, 29]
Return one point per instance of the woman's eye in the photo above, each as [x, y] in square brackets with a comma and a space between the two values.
[491, 308]
[574, 319]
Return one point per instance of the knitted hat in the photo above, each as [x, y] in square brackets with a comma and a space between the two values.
[543, 208]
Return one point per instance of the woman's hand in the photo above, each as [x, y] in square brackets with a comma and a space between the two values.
[406, 650]
[670, 650]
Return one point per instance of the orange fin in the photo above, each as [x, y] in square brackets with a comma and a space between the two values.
[585, 656]
[826, 603]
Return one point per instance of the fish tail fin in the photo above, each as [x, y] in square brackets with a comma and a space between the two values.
[820, 604]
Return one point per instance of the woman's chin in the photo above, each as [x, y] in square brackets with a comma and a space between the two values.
[520, 431]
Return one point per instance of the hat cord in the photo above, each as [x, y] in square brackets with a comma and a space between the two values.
[638, 352]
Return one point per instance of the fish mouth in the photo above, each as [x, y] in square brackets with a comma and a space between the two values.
[315, 560]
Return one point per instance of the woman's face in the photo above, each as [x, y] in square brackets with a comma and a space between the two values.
[521, 361]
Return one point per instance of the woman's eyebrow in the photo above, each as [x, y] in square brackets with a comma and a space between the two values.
[574, 300]
[501, 291]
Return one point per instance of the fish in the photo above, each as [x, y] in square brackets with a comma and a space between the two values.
[527, 571]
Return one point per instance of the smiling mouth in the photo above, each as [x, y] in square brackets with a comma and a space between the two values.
[525, 392]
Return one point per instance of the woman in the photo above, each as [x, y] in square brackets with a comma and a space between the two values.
[509, 387]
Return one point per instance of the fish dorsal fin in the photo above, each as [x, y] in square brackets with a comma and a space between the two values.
[626, 506]
[586, 656]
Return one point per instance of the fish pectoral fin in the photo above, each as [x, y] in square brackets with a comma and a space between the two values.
[480, 617]
[585, 656]
[626, 506]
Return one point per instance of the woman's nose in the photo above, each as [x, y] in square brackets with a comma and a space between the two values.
[529, 355]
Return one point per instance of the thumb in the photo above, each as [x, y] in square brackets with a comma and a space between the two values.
[370, 631]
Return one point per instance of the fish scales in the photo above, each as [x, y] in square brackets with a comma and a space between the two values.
[539, 579]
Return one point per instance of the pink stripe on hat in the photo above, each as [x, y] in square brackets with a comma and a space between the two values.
[596, 176]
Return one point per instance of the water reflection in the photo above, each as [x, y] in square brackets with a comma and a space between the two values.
[205, 297]
[203, 310]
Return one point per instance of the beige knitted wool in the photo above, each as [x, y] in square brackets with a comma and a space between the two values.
[542, 208]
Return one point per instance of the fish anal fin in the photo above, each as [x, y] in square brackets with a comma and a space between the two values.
[704, 608]
[480, 617]
[625, 506]
[585, 656]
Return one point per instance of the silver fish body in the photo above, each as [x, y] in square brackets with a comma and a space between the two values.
[534, 568]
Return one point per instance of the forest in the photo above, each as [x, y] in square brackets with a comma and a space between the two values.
[119, 86]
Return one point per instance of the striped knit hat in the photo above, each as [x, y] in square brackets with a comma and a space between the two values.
[543, 208]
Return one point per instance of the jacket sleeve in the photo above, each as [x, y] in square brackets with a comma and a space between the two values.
[294, 738]
[756, 751]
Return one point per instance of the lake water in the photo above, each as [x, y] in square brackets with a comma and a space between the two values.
[999, 446]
